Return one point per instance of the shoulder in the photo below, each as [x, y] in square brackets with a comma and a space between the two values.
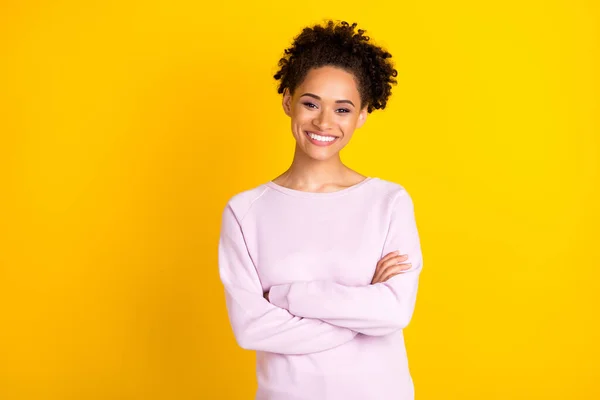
[396, 198]
[240, 203]
[391, 189]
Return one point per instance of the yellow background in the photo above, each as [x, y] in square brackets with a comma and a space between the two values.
[126, 126]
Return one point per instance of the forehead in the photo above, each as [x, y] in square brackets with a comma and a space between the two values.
[329, 82]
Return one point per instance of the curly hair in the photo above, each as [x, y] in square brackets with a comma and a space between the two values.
[340, 46]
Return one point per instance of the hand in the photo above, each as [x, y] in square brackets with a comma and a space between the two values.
[266, 295]
[389, 266]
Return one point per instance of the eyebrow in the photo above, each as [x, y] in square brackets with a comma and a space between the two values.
[318, 98]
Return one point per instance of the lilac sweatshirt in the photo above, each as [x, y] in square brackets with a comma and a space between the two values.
[326, 332]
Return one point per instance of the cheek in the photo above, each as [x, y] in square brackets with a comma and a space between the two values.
[302, 115]
[347, 124]
[300, 121]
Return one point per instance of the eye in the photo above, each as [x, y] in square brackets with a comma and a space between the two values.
[309, 105]
[343, 110]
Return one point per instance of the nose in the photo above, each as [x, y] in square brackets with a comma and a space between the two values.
[323, 121]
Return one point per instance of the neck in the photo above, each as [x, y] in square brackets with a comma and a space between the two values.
[309, 172]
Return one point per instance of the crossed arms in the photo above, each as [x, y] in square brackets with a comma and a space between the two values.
[308, 317]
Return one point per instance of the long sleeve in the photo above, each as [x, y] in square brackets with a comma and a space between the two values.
[377, 309]
[256, 323]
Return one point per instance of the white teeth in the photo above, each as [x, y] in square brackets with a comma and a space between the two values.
[321, 138]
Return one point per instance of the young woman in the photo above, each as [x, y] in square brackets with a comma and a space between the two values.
[321, 264]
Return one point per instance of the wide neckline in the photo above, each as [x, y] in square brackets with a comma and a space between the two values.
[302, 193]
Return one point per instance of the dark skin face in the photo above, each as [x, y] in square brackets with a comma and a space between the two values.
[326, 102]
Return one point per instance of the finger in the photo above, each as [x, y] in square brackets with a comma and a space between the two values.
[394, 261]
[390, 263]
[394, 270]
[384, 274]
[381, 269]
[388, 255]
[397, 259]
[391, 259]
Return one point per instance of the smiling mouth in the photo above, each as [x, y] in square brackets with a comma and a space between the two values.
[320, 140]
[309, 133]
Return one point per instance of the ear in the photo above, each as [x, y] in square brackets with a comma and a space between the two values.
[287, 102]
[362, 117]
